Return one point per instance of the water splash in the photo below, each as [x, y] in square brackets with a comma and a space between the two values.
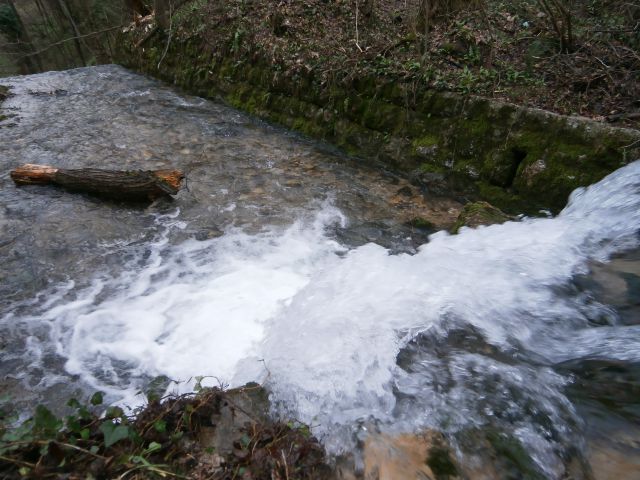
[331, 324]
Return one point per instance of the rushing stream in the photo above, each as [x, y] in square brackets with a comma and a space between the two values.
[284, 262]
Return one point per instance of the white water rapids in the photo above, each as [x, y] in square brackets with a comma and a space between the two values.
[323, 325]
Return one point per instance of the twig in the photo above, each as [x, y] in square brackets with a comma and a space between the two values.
[146, 37]
[357, 36]
[74, 447]
[268, 372]
[633, 144]
[152, 469]
[17, 462]
[166, 48]
[622, 30]
[37, 52]
[286, 468]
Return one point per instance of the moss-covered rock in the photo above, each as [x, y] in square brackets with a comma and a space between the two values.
[496, 454]
[479, 213]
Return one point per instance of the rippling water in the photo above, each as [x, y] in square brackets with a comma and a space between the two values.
[286, 263]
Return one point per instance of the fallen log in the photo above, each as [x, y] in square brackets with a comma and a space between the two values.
[134, 185]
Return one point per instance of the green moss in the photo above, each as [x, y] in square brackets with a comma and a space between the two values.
[366, 85]
[552, 169]
[479, 213]
[383, 116]
[428, 167]
[421, 224]
[303, 126]
[510, 448]
[428, 140]
[439, 104]
[441, 463]
[394, 92]
[504, 200]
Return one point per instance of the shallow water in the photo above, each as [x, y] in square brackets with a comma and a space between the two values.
[286, 263]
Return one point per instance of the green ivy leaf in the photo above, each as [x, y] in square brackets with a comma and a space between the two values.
[44, 450]
[114, 433]
[46, 422]
[73, 424]
[97, 398]
[114, 412]
[153, 447]
[83, 413]
[156, 388]
[24, 433]
[160, 426]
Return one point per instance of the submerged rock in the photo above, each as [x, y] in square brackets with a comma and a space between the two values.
[4, 93]
[400, 457]
[425, 456]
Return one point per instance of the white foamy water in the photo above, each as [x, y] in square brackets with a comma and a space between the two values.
[325, 325]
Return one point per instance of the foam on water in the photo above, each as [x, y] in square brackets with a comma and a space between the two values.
[344, 330]
[330, 323]
[198, 308]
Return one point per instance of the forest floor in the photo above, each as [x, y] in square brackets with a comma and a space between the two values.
[496, 49]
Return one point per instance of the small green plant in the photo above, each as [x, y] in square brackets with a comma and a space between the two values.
[382, 64]
[515, 76]
[472, 56]
[466, 80]
[412, 66]
[80, 436]
[160, 440]
[238, 38]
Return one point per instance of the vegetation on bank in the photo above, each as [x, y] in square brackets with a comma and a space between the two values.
[310, 75]
[568, 56]
[212, 434]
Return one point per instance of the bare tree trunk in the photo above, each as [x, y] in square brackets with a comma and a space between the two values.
[161, 8]
[44, 14]
[64, 8]
[426, 13]
[559, 13]
[137, 6]
[29, 60]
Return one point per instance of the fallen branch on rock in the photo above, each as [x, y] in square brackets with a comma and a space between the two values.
[138, 185]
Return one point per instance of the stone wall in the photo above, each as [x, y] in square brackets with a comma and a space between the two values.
[516, 158]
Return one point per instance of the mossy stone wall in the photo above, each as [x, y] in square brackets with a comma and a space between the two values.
[516, 158]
